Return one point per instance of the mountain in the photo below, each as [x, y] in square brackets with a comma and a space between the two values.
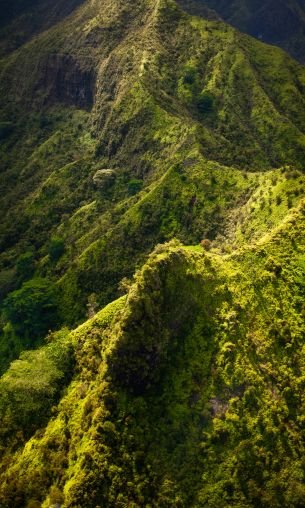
[20, 19]
[152, 269]
[279, 22]
[187, 392]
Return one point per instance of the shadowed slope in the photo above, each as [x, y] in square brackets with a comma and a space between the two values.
[279, 22]
[21, 19]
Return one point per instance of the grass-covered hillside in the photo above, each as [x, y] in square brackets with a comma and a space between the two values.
[131, 128]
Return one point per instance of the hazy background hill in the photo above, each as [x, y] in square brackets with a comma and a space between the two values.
[280, 22]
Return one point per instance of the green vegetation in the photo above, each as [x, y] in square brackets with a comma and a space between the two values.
[134, 186]
[159, 156]
[25, 265]
[32, 385]
[30, 313]
[90, 192]
[33, 307]
[183, 401]
[56, 248]
[205, 103]
[280, 23]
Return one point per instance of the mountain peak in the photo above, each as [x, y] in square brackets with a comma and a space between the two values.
[152, 257]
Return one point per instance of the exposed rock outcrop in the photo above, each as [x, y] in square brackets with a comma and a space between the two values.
[64, 80]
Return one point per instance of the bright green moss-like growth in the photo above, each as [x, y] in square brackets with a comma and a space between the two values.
[188, 374]
[32, 385]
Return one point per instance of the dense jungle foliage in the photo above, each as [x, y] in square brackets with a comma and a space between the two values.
[152, 267]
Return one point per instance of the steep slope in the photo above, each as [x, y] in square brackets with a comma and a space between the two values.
[184, 401]
[279, 22]
[124, 125]
[21, 19]
[99, 92]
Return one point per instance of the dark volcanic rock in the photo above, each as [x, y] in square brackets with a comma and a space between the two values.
[65, 81]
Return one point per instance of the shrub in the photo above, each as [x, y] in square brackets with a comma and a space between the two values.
[274, 180]
[7, 282]
[205, 103]
[104, 178]
[25, 265]
[293, 174]
[56, 248]
[56, 496]
[92, 305]
[206, 244]
[124, 286]
[134, 186]
[32, 310]
[190, 76]
[33, 504]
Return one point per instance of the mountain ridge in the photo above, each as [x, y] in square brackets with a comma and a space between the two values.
[124, 132]
[151, 268]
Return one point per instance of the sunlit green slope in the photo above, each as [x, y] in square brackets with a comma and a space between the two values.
[186, 392]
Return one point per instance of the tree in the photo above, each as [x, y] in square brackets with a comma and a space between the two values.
[134, 186]
[32, 310]
[104, 178]
[206, 244]
[32, 384]
[56, 248]
[25, 265]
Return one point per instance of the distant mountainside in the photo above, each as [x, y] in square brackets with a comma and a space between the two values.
[152, 271]
[21, 19]
[280, 22]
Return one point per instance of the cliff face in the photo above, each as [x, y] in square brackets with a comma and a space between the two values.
[64, 81]
[276, 22]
